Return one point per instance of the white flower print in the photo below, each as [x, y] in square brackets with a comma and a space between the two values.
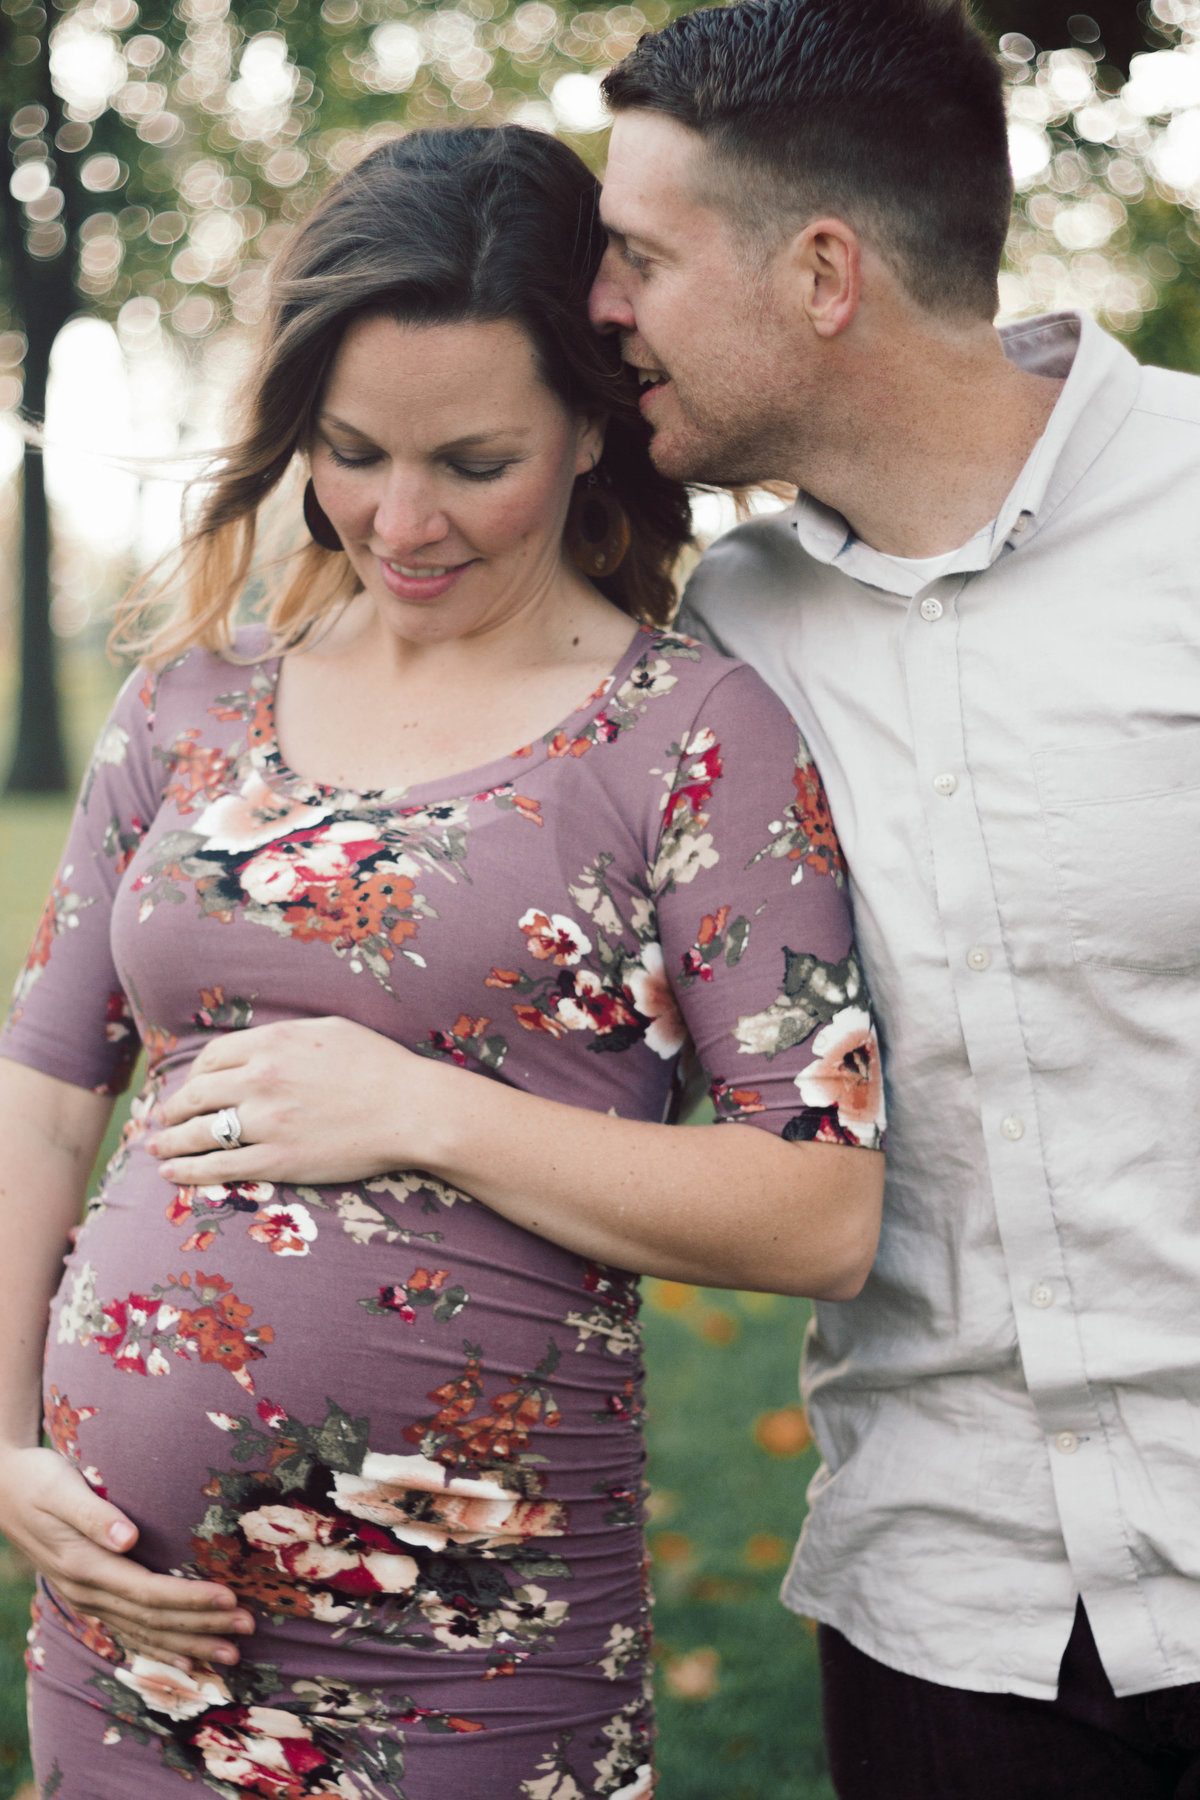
[652, 994]
[683, 855]
[168, 1690]
[553, 937]
[254, 816]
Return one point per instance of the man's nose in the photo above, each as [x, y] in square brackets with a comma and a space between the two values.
[608, 308]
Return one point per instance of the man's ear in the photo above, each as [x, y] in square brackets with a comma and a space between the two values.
[824, 270]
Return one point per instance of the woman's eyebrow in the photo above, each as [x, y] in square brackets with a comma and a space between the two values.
[327, 418]
[472, 440]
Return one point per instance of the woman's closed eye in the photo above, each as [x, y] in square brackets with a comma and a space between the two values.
[363, 461]
[479, 471]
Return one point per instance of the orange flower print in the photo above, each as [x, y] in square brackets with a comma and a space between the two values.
[453, 1437]
[562, 745]
[811, 808]
[62, 1424]
[196, 773]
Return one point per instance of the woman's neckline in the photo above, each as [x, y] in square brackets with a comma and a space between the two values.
[500, 772]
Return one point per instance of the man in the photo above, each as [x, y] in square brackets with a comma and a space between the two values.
[984, 612]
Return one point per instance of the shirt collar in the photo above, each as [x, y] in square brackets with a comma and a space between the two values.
[1099, 385]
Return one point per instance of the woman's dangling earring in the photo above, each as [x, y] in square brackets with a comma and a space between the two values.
[597, 533]
[317, 521]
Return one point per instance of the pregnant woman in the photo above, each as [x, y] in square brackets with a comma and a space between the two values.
[414, 894]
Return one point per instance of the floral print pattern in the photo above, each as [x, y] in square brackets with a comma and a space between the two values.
[405, 1432]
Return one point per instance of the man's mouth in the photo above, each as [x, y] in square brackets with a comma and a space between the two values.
[649, 381]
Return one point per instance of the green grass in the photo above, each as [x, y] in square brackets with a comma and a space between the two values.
[737, 1680]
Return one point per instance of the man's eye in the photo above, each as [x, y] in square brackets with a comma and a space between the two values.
[633, 261]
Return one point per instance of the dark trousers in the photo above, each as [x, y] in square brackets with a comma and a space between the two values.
[896, 1737]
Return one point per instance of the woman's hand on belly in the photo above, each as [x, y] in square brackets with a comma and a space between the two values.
[80, 1544]
[318, 1100]
[324, 1100]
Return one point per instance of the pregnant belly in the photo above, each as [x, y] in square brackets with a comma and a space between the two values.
[335, 1398]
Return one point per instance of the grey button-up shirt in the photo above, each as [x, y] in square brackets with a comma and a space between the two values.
[1010, 1413]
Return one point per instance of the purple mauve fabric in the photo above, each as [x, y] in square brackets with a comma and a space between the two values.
[405, 1430]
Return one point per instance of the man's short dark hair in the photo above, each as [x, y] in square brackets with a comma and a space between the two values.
[886, 113]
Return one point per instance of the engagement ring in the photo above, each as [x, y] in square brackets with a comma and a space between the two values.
[227, 1128]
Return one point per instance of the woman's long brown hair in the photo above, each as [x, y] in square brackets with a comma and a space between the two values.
[444, 226]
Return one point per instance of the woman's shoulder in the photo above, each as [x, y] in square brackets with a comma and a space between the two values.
[698, 671]
[199, 677]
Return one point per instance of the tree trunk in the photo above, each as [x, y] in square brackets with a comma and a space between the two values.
[43, 299]
[38, 763]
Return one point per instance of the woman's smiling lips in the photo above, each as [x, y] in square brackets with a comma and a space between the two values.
[419, 581]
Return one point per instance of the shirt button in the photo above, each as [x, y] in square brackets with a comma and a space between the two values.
[1012, 1128]
[945, 784]
[1042, 1294]
[979, 958]
[1067, 1443]
[1020, 524]
[931, 609]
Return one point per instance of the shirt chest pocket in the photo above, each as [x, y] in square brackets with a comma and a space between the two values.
[1123, 823]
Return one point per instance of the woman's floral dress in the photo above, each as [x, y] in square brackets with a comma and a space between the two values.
[406, 1431]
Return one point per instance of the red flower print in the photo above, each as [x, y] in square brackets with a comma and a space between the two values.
[287, 1230]
[395, 1299]
[699, 773]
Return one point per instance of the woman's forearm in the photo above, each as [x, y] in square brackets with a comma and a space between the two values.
[50, 1133]
[326, 1100]
[727, 1206]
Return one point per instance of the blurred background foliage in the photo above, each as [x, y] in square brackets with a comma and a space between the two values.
[152, 157]
[156, 154]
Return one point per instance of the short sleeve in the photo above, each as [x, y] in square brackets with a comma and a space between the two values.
[69, 1015]
[755, 925]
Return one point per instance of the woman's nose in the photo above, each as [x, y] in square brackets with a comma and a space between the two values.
[408, 516]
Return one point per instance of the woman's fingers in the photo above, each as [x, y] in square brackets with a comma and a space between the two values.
[203, 1095]
[207, 1170]
[157, 1630]
[79, 1541]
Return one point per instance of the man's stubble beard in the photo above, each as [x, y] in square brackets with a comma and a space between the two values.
[720, 453]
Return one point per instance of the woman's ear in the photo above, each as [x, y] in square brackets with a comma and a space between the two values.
[590, 442]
